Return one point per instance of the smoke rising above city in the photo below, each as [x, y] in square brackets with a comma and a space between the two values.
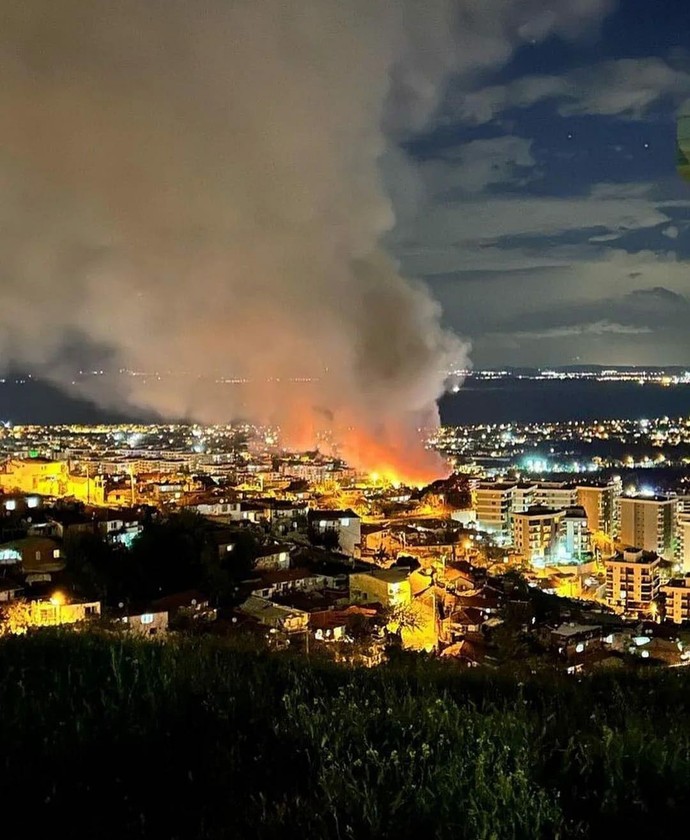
[197, 187]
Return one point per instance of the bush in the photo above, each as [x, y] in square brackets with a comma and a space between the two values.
[205, 739]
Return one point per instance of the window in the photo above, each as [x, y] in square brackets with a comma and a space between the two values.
[147, 618]
[345, 522]
[56, 553]
[38, 555]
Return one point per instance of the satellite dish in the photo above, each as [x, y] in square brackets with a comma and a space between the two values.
[683, 144]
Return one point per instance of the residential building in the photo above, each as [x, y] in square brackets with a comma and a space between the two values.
[279, 581]
[39, 556]
[632, 580]
[535, 533]
[275, 616]
[574, 639]
[599, 502]
[525, 495]
[345, 523]
[683, 541]
[389, 587]
[649, 523]
[555, 494]
[57, 611]
[493, 502]
[273, 557]
[145, 621]
[34, 475]
[676, 594]
[9, 590]
[574, 536]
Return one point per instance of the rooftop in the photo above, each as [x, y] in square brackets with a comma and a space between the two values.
[332, 515]
[537, 510]
[394, 575]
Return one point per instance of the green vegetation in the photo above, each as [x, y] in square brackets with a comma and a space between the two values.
[115, 738]
[171, 555]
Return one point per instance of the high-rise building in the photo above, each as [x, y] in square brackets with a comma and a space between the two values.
[632, 581]
[555, 494]
[493, 502]
[683, 542]
[574, 536]
[677, 599]
[535, 533]
[599, 502]
[649, 523]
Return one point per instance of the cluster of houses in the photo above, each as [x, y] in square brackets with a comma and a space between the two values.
[331, 575]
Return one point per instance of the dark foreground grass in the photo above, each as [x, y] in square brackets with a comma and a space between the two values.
[108, 738]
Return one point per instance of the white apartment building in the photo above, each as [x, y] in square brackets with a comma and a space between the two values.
[535, 533]
[493, 502]
[649, 523]
[574, 536]
[555, 494]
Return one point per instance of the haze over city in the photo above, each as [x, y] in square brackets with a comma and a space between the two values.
[194, 197]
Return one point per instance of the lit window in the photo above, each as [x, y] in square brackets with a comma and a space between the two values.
[147, 618]
[345, 522]
[38, 555]
[11, 505]
[32, 502]
[56, 553]
[323, 523]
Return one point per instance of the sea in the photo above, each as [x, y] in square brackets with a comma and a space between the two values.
[479, 401]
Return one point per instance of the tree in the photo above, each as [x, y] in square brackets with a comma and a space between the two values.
[15, 618]
[91, 564]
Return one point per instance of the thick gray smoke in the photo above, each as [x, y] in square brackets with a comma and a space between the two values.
[196, 184]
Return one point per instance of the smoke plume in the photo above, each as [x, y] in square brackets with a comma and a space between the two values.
[195, 185]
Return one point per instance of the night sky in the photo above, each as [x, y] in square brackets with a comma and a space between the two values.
[549, 220]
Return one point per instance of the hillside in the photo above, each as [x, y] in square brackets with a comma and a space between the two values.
[115, 738]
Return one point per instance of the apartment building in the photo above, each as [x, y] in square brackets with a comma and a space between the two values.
[649, 523]
[535, 533]
[600, 504]
[676, 594]
[632, 581]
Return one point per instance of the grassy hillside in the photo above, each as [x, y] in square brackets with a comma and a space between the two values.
[196, 740]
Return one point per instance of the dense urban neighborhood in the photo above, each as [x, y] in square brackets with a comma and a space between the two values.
[162, 531]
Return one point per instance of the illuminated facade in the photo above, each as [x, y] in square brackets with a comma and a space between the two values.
[599, 502]
[574, 536]
[649, 523]
[345, 523]
[389, 587]
[494, 503]
[632, 581]
[535, 533]
[50, 478]
[677, 599]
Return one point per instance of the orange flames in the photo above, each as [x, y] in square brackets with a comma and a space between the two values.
[393, 456]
